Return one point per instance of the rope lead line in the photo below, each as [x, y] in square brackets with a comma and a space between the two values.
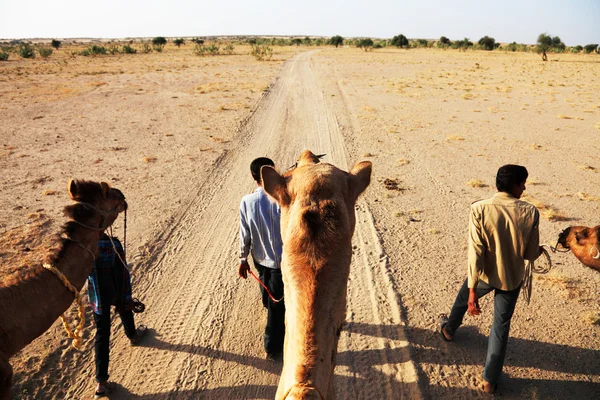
[266, 288]
[530, 268]
[76, 334]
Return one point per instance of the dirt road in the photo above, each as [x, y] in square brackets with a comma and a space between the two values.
[206, 323]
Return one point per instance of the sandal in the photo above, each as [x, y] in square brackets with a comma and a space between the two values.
[443, 321]
[139, 333]
[489, 387]
[105, 388]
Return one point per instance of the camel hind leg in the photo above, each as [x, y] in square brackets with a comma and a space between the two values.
[6, 374]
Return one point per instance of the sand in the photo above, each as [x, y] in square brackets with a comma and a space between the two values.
[176, 133]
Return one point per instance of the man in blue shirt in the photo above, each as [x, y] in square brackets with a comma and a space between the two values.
[260, 236]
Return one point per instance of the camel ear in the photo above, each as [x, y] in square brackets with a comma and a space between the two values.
[72, 189]
[360, 177]
[105, 189]
[275, 185]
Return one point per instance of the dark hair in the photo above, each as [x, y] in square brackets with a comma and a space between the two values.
[509, 176]
[257, 164]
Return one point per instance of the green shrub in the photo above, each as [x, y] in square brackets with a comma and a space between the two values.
[588, 48]
[487, 43]
[296, 41]
[365, 44]
[203, 50]
[3, 56]
[97, 50]
[113, 49]
[421, 43]
[262, 52]
[512, 47]
[158, 48]
[55, 43]
[336, 40]
[26, 51]
[127, 49]
[178, 42]
[45, 52]
[307, 41]
[399, 41]
[159, 41]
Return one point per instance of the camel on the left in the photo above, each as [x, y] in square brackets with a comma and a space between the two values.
[33, 298]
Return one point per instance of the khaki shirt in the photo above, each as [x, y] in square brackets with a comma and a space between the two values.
[503, 233]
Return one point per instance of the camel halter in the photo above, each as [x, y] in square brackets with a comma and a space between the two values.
[76, 334]
[304, 386]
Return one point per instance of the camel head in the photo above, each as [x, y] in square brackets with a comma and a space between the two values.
[317, 223]
[583, 242]
[95, 201]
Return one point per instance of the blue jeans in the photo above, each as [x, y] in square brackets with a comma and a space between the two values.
[504, 306]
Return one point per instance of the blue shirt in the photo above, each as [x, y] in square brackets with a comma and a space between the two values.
[260, 232]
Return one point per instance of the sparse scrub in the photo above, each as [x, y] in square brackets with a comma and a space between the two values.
[588, 48]
[262, 52]
[365, 44]
[476, 183]
[203, 50]
[55, 43]
[146, 48]
[229, 49]
[26, 51]
[127, 49]
[159, 41]
[462, 44]
[296, 41]
[113, 49]
[546, 43]
[158, 48]
[444, 42]
[3, 55]
[45, 52]
[178, 42]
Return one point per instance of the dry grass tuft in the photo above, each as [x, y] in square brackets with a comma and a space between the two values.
[49, 192]
[432, 231]
[591, 317]
[476, 183]
[548, 212]
[585, 167]
[560, 116]
[536, 146]
[450, 138]
[368, 155]
[218, 139]
[587, 197]
[468, 96]
[402, 161]
[150, 159]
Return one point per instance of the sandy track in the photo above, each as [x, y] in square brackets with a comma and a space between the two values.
[206, 324]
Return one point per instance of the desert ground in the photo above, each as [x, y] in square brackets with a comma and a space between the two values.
[176, 133]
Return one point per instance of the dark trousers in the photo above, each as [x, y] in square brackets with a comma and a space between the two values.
[102, 340]
[275, 329]
[504, 306]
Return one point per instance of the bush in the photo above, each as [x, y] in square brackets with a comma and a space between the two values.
[421, 43]
[512, 47]
[159, 41]
[399, 41]
[55, 43]
[462, 44]
[203, 50]
[127, 49]
[3, 56]
[113, 49]
[250, 41]
[158, 48]
[97, 50]
[487, 43]
[336, 40]
[262, 52]
[178, 42]
[576, 49]
[296, 41]
[45, 52]
[306, 41]
[588, 48]
[365, 44]
[26, 51]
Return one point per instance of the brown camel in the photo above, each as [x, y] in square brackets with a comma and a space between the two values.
[583, 242]
[317, 223]
[34, 298]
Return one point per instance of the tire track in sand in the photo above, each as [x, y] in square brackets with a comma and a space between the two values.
[206, 338]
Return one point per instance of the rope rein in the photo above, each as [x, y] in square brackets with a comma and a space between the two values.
[530, 268]
[75, 335]
[266, 288]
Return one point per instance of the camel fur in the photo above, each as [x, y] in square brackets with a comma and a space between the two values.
[583, 242]
[33, 298]
[317, 223]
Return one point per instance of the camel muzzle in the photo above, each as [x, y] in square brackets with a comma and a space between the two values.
[562, 237]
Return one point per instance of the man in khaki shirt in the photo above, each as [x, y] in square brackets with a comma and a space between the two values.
[503, 233]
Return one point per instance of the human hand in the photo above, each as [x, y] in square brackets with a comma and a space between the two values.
[473, 303]
[243, 269]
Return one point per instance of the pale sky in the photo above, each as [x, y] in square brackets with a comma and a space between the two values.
[575, 21]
